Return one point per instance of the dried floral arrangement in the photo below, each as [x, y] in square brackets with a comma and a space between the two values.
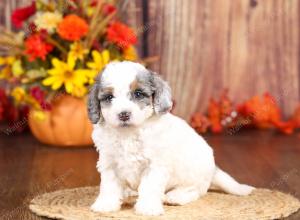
[223, 116]
[66, 43]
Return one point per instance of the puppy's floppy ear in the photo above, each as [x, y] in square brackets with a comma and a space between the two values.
[94, 108]
[162, 98]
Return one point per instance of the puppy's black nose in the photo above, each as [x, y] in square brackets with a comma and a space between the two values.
[124, 116]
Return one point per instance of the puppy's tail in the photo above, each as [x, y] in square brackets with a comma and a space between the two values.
[225, 182]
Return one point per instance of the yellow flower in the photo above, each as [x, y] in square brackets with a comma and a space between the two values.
[7, 60]
[5, 72]
[99, 62]
[47, 21]
[32, 102]
[6, 67]
[64, 74]
[19, 94]
[130, 53]
[78, 51]
[79, 91]
[90, 11]
[17, 68]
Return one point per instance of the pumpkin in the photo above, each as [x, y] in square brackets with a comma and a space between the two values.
[67, 123]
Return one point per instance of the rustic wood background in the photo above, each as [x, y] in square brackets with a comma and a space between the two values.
[203, 46]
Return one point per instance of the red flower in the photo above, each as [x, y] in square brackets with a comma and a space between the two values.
[36, 47]
[109, 9]
[15, 118]
[32, 28]
[121, 35]
[46, 106]
[3, 103]
[39, 95]
[21, 14]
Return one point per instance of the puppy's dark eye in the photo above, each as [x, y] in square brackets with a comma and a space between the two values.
[139, 94]
[108, 98]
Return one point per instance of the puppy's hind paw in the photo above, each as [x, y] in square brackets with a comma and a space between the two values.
[244, 190]
[102, 206]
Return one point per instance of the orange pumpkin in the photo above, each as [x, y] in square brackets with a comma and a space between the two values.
[67, 123]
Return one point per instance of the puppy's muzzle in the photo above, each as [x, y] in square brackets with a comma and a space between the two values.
[124, 116]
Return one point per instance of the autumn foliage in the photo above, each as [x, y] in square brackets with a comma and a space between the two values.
[260, 112]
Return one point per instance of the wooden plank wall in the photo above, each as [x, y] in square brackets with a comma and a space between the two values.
[204, 46]
[247, 46]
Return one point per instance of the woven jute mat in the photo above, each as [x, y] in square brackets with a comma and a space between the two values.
[73, 204]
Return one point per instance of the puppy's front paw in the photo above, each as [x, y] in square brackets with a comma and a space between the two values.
[101, 205]
[149, 208]
[244, 190]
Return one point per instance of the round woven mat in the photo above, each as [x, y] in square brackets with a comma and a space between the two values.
[73, 204]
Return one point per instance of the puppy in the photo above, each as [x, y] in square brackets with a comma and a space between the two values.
[144, 149]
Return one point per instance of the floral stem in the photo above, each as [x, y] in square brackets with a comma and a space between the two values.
[99, 29]
[58, 45]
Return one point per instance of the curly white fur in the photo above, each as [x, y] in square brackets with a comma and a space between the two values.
[160, 157]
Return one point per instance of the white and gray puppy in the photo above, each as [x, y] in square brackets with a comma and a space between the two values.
[144, 149]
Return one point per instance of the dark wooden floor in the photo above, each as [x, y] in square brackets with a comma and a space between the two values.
[28, 169]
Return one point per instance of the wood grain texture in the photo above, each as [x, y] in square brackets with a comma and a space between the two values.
[247, 46]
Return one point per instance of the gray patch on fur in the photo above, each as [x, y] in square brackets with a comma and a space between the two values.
[153, 84]
[143, 102]
[94, 107]
[102, 94]
[144, 84]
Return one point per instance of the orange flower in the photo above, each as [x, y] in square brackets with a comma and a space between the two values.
[215, 116]
[286, 127]
[200, 122]
[263, 111]
[121, 35]
[72, 28]
[35, 47]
